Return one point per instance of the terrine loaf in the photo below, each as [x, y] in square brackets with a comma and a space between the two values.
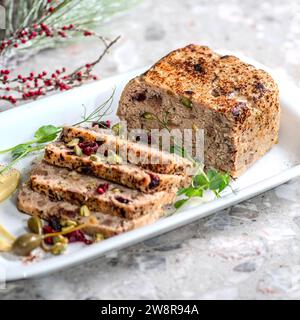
[136, 153]
[34, 203]
[98, 194]
[236, 104]
[126, 174]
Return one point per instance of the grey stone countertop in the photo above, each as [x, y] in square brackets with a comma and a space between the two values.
[250, 251]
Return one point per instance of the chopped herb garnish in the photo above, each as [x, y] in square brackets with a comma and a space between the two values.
[213, 180]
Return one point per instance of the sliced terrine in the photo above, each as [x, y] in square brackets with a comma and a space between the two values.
[98, 194]
[126, 174]
[136, 153]
[34, 203]
[236, 104]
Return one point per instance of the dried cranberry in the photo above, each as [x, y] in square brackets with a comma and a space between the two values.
[102, 188]
[89, 148]
[78, 236]
[122, 200]
[140, 96]
[46, 230]
[106, 153]
[155, 181]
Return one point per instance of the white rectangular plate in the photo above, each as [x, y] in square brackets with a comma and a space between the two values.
[17, 125]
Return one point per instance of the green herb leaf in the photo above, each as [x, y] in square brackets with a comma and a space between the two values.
[214, 180]
[19, 150]
[46, 133]
[194, 193]
[182, 191]
[200, 180]
[180, 203]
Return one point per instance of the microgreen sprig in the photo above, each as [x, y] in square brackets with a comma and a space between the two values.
[48, 133]
[214, 180]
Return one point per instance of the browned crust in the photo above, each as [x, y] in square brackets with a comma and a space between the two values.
[213, 81]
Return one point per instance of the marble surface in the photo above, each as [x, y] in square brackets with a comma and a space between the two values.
[250, 251]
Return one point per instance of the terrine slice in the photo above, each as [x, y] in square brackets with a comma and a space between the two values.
[98, 194]
[34, 203]
[126, 174]
[139, 154]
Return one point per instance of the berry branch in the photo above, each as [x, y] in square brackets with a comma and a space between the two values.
[34, 29]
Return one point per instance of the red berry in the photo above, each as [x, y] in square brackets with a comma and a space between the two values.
[51, 9]
[78, 236]
[87, 33]
[62, 34]
[16, 45]
[89, 148]
[71, 26]
[102, 188]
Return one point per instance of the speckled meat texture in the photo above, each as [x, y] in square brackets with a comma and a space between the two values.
[236, 104]
[62, 184]
[126, 174]
[34, 203]
[136, 153]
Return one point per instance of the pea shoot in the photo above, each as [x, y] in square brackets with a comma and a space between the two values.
[214, 180]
